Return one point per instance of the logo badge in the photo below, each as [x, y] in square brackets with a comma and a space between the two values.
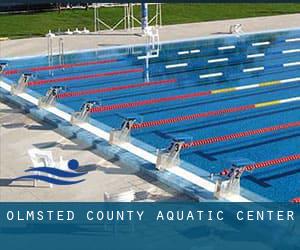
[54, 175]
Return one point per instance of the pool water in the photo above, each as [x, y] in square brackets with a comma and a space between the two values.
[193, 77]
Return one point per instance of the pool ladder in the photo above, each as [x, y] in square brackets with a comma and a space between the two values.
[153, 48]
[61, 53]
[50, 53]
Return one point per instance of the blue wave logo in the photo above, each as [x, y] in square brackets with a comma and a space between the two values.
[62, 174]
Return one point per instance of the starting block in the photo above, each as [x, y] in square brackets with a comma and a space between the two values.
[50, 97]
[225, 188]
[231, 185]
[84, 113]
[22, 84]
[122, 135]
[170, 157]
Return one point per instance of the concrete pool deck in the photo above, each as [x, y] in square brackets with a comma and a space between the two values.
[108, 177]
[19, 133]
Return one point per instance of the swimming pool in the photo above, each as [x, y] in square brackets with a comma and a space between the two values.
[232, 98]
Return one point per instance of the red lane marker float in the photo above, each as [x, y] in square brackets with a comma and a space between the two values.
[271, 162]
[296, 200]
[240, 134]
[110, 89]
[65, 66]
[71, 78]
[148, 102]
[265, 164]
[191, 117]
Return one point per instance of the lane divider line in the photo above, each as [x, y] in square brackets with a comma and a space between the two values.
[272, 162]
[296, 200]
[178, 65]
[80, 77]
[194, 51]
[147, 102]
[218, 60]
[210, 75]
[183, 52]
[292, 40]
[256, 55]
[116, 88]
[261, 43]
[253, 69]
[186, 52]
[291, 64]
[187, 96]
[238, 135]
[65, 66]
[290, 51]
[147, 56]
[160, 122]
[226, 47]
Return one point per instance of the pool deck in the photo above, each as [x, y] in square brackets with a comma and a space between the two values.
[38, 45]
[106, 176]
[18, 133]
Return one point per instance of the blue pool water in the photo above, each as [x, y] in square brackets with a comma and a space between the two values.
[237, 61]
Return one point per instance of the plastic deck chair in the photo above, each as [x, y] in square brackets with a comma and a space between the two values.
[236, 29]
[40, 158]
[128, 196]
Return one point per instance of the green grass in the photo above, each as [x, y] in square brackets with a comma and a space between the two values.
[25, 25]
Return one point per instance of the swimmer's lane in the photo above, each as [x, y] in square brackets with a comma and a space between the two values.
[187, 96]
[234, 136]
[177, 119]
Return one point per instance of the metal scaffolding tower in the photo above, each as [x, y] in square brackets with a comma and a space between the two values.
[129, 20]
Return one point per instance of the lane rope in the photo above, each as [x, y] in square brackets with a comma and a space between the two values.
[269, 163]
[111, 89]
[65, 66]
[263, 164]
[240, 135]
[80, 77]
[296, 200]
[188, 96]
[160, 122]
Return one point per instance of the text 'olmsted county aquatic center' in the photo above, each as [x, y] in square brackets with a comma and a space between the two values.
[140, 215]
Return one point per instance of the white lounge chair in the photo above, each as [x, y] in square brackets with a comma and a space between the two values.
[43, 158]
[236, 29]
[128, 196]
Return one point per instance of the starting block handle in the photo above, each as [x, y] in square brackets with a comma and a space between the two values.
[84, 113]
[122, 135]
[127, 123]
[169, 157]
[50, 97]
[22, 83]
[3, 65]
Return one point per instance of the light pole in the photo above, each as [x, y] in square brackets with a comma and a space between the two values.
[144, 14]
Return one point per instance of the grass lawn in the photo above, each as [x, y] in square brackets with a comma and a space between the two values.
[25, 25]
